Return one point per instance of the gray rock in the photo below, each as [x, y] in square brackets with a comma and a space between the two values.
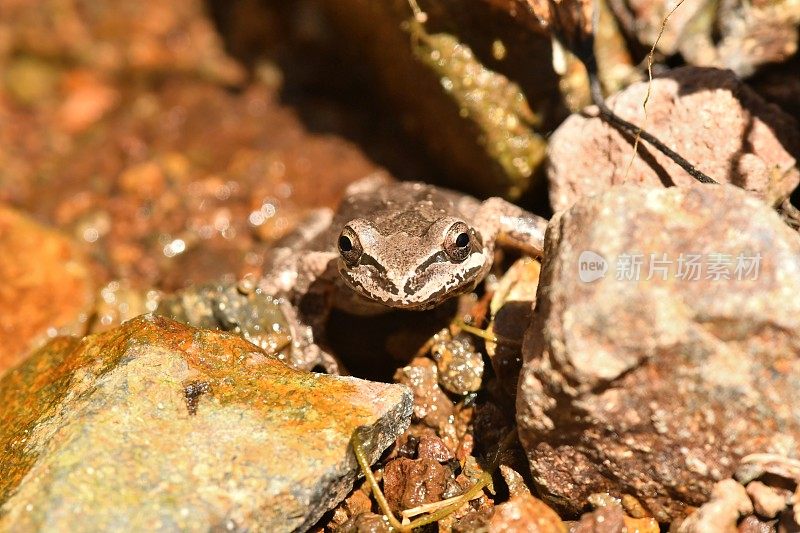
[656, 388]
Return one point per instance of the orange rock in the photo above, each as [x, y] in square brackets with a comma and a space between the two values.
[46, 287]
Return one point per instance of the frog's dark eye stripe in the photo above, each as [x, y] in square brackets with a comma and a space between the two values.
[438, 257]
[413, 285]
[380, 279]
[367, 259]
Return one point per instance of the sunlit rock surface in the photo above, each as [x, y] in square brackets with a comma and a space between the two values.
[654, 380]
[706, 115]
[160, 426]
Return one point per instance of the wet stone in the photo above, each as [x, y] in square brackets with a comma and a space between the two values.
[514, 481]
[459, 363]
[92, 428]
[603, 520]
[432, 407]
[752, 524]
[356, 504]
[656, 385]
[606, 506]
[269, 323]
[432, 447]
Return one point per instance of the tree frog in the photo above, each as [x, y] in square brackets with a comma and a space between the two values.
[403, 245]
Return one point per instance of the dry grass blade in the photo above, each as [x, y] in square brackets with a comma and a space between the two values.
[650, 56]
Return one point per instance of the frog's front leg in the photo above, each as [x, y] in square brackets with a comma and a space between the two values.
[305, 281]
[505, 224]
[305, 343]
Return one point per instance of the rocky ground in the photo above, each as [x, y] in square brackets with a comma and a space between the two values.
[640, 377]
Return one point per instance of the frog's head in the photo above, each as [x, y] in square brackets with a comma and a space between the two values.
[412, 267]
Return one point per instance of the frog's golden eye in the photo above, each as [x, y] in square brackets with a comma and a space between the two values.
[458, 242]
[349, 246]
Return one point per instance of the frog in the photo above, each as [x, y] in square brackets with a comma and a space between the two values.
[393, 245]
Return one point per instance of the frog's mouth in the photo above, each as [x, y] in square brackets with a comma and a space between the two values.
[418, 292]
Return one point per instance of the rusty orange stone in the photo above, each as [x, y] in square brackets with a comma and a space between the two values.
[156, 421]
[46, 285]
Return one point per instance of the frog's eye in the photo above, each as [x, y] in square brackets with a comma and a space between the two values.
[458, 242]
[349, 246]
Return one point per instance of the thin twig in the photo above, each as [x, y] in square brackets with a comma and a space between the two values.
[620, 123]
[483, 481]
[478, 332]
[363, 462]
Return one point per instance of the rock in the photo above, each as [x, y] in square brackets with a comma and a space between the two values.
[775, 466]
[525, 514]
[88, 99]
[346, 514]
[752, 524]
[156, 425]
[462, 83]
[365, 523]
[611, 518]
[603, 520]
[706, 115]
[432, 447]
[767, 502]
[656, 388]
[269, 323]
[472, 522]
[409, 483]
[432, 407]
[46, 290]
[118, 302]
[459, 363]
[733, 35]
[728, 502]
[198, 201]
[607, 513]
[514, 480]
